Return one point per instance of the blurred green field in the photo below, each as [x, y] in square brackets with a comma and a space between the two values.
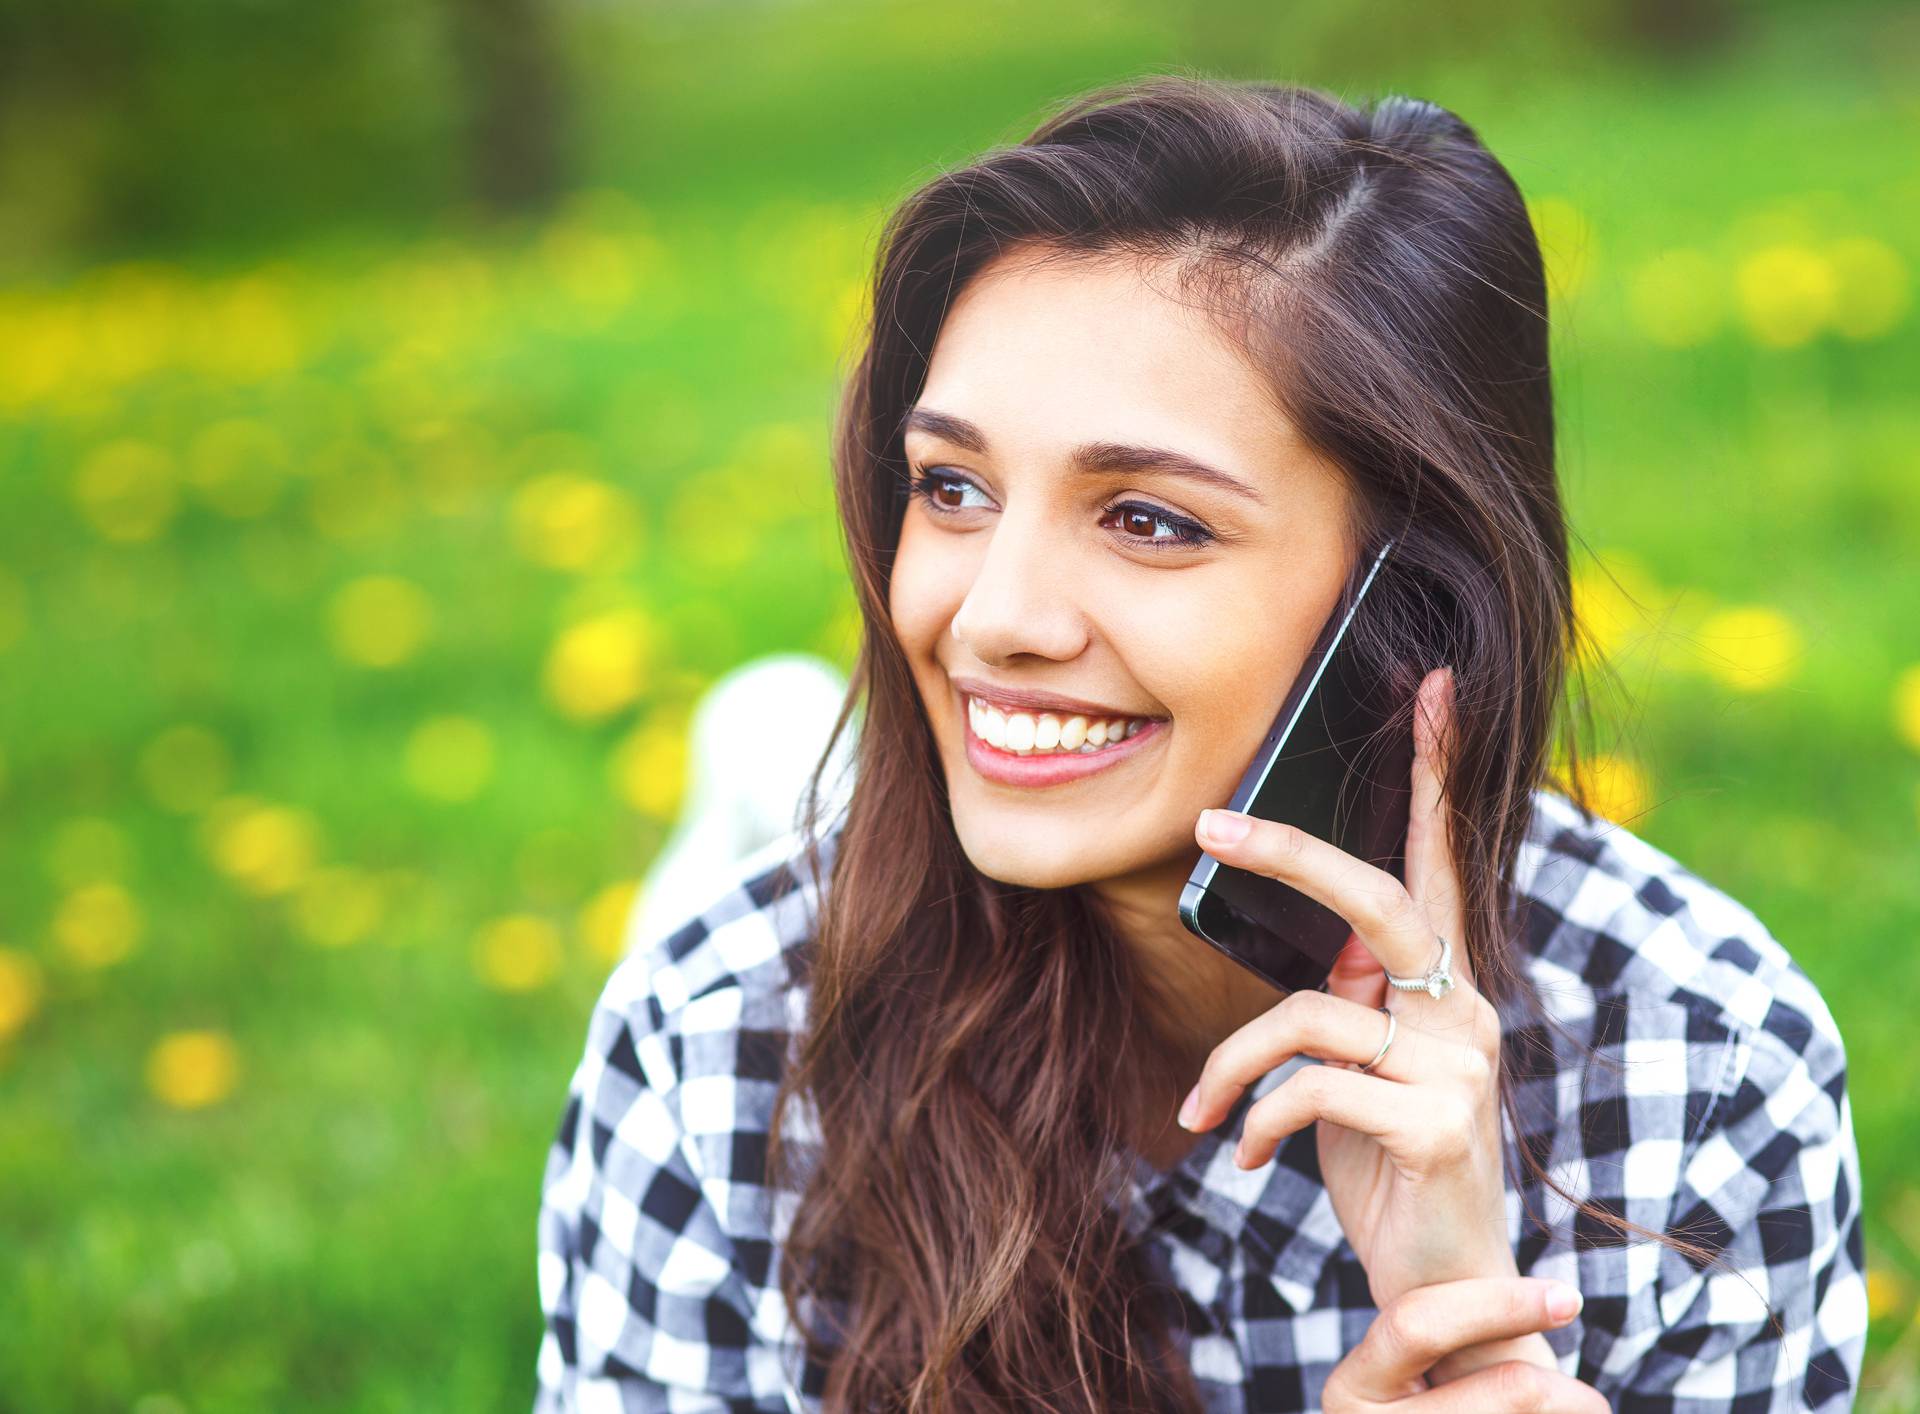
[354, 591]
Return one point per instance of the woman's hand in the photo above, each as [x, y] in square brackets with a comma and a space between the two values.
[1384, 1373]
[1410, 1151]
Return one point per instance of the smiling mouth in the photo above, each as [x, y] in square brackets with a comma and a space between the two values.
[1096, 745]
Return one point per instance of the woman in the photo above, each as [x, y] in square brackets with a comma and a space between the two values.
[1139, 395]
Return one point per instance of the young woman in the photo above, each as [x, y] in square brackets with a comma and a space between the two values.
[896, 1121]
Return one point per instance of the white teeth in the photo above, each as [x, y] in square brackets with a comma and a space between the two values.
[1024, 733]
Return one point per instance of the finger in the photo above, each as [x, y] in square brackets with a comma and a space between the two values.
[1423, 1128]
[1511, 1387]
[1432, 872]
[1327, 1028]
[1418, 1328]
[1357, 975]
[1384, 916]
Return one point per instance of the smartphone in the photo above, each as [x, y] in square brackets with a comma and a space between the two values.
[1330, 766]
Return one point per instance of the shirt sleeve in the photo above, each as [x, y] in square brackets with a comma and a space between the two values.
[1774, 1186]
[646, 1309]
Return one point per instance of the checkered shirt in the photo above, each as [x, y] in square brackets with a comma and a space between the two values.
[1727, 1120]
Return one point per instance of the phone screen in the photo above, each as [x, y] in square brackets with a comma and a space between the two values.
[1330, 766]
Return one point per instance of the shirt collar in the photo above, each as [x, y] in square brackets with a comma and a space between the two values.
[1274, 1221]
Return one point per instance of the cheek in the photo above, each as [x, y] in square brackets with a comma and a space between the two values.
[925, 590]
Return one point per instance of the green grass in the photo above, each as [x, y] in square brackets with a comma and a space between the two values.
[350, 1225]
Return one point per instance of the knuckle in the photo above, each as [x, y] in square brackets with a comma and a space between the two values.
[1476, 1068]
[1388, 909]
[1519, 1387]
[1404, 1331]
[1449, 1138]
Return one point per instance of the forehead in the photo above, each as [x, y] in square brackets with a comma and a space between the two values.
[1047, 355]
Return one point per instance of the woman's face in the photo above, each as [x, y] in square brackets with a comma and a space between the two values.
[1054, 559]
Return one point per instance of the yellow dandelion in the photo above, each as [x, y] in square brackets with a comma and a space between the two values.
[595, 271]
[1906, 705]
[1786, 293]
[13, 610]
[379, 621]
[1886, 1293]
[1752, 647]
[568, 522]
[185, 768]
[238, 467]
[45, 345]
[21, 988]
[126, 490]
[1676, 298]
[600, 665]
[1566, 244]
[98, 924]
[649, 767]
[1871, 287]
[263, 848]
[251, 332]
[1615, 598]
[190, 1070]
[450, 758]
[518, 953]
[603, 921]
[1615, 787]
[338, 906]
[86, 850]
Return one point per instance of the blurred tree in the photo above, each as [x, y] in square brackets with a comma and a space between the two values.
[506, 54]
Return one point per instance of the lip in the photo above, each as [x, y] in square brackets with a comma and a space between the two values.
[1009, 768]
[1030, 701]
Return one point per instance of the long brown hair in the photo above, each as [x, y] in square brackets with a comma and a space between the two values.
[958, 1229]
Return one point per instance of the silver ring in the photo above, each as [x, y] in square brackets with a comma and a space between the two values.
[1438, 981]
[1391, 1025]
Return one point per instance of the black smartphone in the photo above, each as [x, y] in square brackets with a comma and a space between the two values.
[1329, 766]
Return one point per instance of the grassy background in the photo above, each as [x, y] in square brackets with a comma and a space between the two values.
[360, 560]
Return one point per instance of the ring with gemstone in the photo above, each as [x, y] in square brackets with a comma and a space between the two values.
[1438, 981]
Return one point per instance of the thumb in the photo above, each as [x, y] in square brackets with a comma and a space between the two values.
[1357, 975]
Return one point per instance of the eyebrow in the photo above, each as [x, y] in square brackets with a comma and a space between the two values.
[1090, 458]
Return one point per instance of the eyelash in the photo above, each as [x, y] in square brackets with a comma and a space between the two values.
[1187, 534]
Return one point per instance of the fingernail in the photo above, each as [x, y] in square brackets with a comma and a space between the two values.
[1226, 826]
[1564, 1303]
[1190, 1108]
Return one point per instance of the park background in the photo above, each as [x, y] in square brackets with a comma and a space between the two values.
[408, 406]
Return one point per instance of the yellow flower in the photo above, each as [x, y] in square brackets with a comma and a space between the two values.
[251, 332]
[265, 849]
[569, 522]
[379, 621]
[450, 758]
[125, 490]
[238, 467]
[518, 953]
[649, 767]
[1566, 244]
[185, 768]
[1614, 597]
[192, 1069]
[1751, 648]
[1906, 705]
[603, 921]
[1615, 787]
[1886, 1293]
[338, 906]
[1676, 298]
[98, 924]
[1871, 287]
[600, 665]
[86, 850]
[20, 990]
[1786, 294]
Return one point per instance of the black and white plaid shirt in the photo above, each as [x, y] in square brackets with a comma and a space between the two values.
[1728, 1120]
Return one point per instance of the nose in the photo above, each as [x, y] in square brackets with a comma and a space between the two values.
[1022, 597]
